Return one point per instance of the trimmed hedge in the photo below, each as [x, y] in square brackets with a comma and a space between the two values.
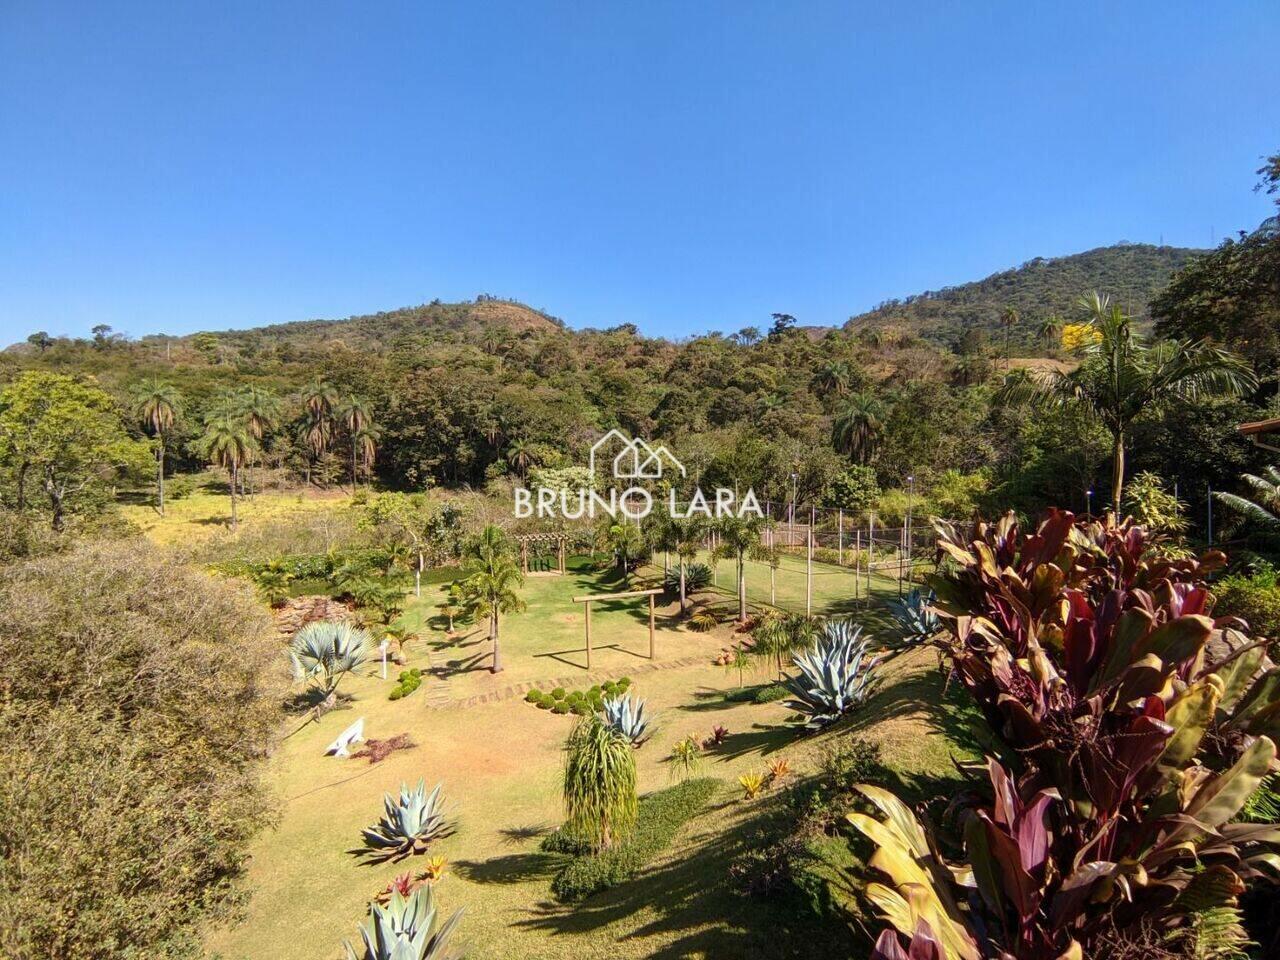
[660, 816]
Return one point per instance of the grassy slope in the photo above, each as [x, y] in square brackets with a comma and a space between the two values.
[500, 762]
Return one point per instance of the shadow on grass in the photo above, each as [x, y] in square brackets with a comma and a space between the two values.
[761, 739]
[512, 836]
[690, 907]
[512, 868]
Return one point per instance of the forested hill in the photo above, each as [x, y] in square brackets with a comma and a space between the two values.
[1131, 273]
[466, 321]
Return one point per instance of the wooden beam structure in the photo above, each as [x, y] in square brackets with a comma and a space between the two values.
[587, 600]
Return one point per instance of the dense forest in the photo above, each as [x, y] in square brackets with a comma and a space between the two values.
[484, 392]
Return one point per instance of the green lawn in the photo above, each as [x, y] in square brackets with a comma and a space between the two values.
[500, 762]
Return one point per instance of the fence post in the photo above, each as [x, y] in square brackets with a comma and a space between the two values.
[808, 578]
[857, 562]
[840, 536]
[871, 550]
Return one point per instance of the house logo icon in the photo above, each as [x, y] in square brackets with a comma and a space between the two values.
[631, 459]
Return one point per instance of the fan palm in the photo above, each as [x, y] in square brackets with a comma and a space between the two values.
[260, 409]
[599, 784]
[1123, 375]
[834, 378]
[858, 427]
[324, 651]
[156, 407]
[491, 577]
[1009, 318]
[228, 443]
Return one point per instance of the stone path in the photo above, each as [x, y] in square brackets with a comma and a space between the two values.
[437, 693]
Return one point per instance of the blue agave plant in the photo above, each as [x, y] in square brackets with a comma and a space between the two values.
[836, 674]
[627, 717]
[916, 616]
[409, 824]
[405, 929]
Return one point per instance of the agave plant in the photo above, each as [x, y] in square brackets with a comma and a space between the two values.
[836, 674]
[405, 929]
[915, 614]
[626, 716]
[409, 824]
[324, 651]
[697, 576]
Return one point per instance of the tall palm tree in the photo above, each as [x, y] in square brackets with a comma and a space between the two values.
[228, 443]
[355, 416]
[260, 409]
[621, 537]
[366, 442]
[1122, 375]
[834, 378]
[520, 456]
[1009, 318]
[314, 433]
[736, 537]
[320, 398]
[156, 407]
[1050, 328]
[858, 427]
[687, 534]
[491, 577]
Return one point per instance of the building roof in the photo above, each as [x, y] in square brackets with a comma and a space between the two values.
[1260, 426]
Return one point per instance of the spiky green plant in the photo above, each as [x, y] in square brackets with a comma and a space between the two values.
[599, 784]
[405, 929]
[836, 674]
[627, 717]
[686, 758]
[325, 651]
[409, 825]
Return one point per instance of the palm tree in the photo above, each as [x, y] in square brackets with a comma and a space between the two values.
[622, 538]
[491, 577]
[599, 784]
[687, 534]
[1050, 328]
[260, 409]
[314, 434]
[1009, 318]
[858, 426]
[520, 456]
[156, 407]
[228, 443]
[1264, 509]
[366, 442]
[1122, 375]
[319, 398]
[737, 537]
[834, 378]
[355, 416]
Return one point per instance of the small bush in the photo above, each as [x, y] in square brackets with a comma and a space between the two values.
[409, 681]
[1254, 599]
[560, 707]
[558, 693]
[581, 708]
[624, 682]
[703, 621]
[766, 867]
[545, 703]
[822, 803]
[660, 815]
[533, 696]
[770, 693]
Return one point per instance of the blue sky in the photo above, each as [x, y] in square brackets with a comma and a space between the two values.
[683, 166]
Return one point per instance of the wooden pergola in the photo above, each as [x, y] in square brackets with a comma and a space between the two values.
[561, 540]
[587, 600]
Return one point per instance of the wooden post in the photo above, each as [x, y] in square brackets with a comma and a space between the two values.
[840, 535]
[651, 626]
[588, 608]
[871, 550]
[562, 568]
[524, 556]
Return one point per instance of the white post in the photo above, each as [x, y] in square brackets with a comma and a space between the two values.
[383, 649]
[857, 561]
[417, 578]
[808, 578]
[840, 541]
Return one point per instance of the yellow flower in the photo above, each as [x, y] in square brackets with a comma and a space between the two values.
[1078, 335]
